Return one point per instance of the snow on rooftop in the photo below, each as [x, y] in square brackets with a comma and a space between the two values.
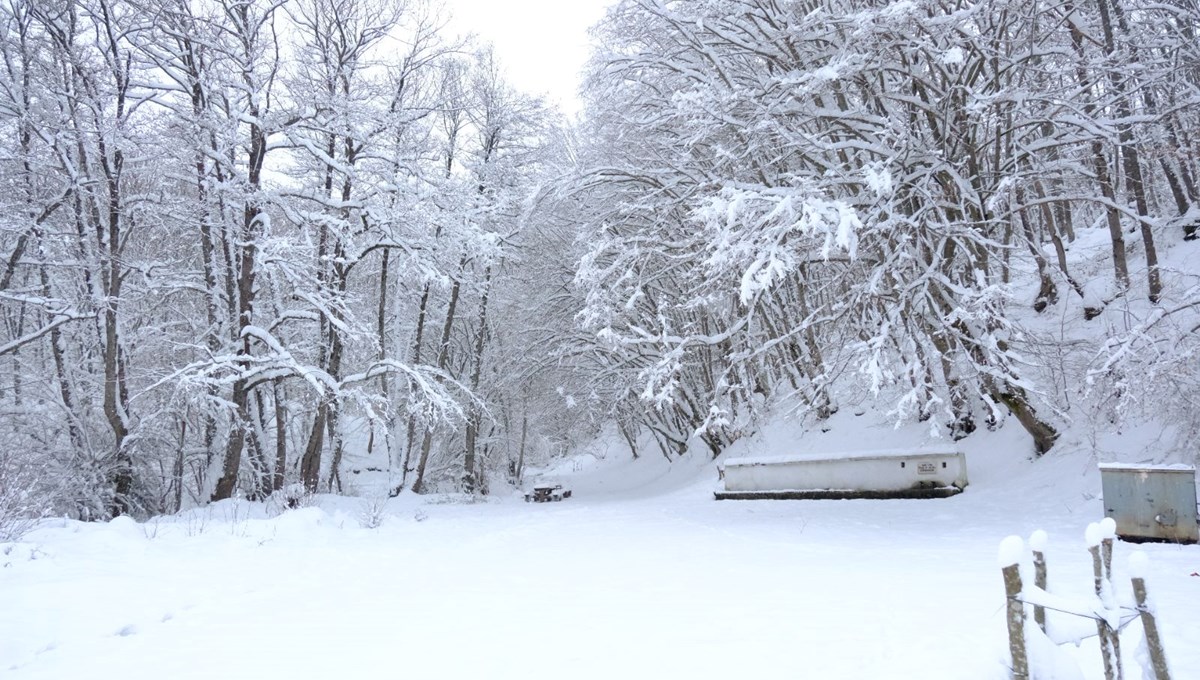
[1141, 467]
[914, 452]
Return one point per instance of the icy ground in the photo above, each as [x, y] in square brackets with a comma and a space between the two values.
[639, 575]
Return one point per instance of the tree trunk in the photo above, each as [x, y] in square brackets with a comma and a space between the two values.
[1130, 157]
[1044, 436]
[277, 478]
[247, 261]
[443, 361]
[469, 482]
[1047, 291]
[1100, 164]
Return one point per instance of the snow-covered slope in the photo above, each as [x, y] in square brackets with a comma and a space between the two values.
[639, 574]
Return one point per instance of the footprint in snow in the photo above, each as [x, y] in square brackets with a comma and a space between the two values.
[127, 630]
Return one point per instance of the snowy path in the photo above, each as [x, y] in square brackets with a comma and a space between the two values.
[670, 586]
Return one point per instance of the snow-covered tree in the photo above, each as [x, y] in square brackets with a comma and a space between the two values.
[810, 193]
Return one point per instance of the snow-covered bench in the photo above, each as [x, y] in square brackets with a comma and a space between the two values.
[545, 493]
[936, 473]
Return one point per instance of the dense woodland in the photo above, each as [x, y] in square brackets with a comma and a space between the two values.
[244, 239]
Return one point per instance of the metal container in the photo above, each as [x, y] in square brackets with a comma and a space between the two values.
[1151, 502]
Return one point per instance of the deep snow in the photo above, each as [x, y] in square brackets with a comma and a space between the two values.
[640, 574]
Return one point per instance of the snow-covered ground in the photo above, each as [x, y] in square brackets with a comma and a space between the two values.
[641, 574]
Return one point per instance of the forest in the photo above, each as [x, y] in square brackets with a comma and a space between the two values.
[242, 240]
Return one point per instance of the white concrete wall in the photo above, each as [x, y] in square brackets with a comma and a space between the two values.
[889, 472]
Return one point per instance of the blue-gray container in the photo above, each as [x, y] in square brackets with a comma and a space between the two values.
[1151, 502]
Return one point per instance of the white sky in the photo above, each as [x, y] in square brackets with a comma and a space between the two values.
[542, 44]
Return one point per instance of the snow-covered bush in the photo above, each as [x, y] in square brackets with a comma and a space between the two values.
[1151, 370]
[291, 497]
[371, 514]
[19, 506]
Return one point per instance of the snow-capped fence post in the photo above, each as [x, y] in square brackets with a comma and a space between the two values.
[1110, 616]
[1158, 656]
[1037, 542]
[1010, 558]
[1110, 643]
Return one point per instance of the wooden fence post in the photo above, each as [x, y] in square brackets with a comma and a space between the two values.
[1037, 541]
[1010, 558]
[1158, 656]
[1110, 643]
[1108, 534]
